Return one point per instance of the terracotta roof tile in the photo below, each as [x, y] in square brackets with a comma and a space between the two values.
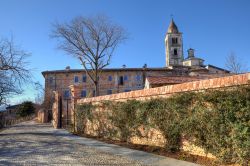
[157, 80]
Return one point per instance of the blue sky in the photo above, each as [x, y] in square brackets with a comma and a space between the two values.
[214, 28]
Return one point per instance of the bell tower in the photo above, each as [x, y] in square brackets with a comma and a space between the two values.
[174, 46]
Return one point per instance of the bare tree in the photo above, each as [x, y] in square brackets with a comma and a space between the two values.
[92, 40]
[13, 69]
[234, 64]
[39, 99]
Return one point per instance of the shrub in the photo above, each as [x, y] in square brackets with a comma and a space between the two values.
[220, 123]
[25, 109]
[124, 118]
[218, 120]
[83, 113]
[161, 116]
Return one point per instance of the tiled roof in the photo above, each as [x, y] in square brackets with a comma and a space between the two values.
[217, 68]
[159, 80]
[109, 70]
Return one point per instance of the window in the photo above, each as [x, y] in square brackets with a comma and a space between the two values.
[127, 90]
[138, 77]
[51, 80]
[66, 94]
[175, 52]
[125, 78]
[76, 79]
[84, 78]
[83, 93]
[109, 92]
[121, 81]
[174, 40]
[110, 78]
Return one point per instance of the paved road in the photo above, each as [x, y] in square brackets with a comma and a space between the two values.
[30, 143]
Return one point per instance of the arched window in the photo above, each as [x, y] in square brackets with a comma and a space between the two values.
[174, 40]
[175, 51]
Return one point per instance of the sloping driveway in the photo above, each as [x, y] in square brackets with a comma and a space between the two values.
[30, 143]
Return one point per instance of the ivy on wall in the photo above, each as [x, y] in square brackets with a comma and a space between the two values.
[216, 120]
[83, 116]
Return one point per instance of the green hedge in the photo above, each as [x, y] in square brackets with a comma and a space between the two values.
[83, 116]
[218, 120]
[26, 109]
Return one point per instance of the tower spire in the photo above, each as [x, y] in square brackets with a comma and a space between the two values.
[174, 45]
[172, 27]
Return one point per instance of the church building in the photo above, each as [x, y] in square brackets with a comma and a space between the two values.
[174, 49]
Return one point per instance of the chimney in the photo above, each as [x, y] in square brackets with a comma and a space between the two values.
[190, 53]
[67, 68]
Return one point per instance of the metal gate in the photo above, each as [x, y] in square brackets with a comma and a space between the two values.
[60, 113]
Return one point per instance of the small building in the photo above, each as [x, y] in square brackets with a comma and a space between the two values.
[191, 60]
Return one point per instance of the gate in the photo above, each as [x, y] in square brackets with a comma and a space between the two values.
[60, 113]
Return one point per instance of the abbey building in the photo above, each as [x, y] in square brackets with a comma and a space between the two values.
[178, 69]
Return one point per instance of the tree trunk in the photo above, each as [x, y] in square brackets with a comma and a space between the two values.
[97, 93]
[96, 79]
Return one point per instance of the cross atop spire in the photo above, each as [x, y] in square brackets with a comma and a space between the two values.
[172, 16]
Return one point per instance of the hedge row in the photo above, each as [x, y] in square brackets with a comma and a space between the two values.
[217, 121]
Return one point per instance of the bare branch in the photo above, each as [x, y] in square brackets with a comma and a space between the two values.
[13, 69]
[92, 40]
[234, 65]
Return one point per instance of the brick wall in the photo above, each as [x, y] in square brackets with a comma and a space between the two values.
[55, 110]
[100, 124]
[43, 116]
